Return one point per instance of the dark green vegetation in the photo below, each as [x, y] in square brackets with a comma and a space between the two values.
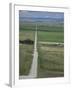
[50, 36]
[27, 27]
[25, 52]
[51, 28]
[42, 27]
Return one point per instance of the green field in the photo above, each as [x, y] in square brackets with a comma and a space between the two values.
[46, 32]
[41, 27]
[50, 57]
[50, 36]
[51, 28]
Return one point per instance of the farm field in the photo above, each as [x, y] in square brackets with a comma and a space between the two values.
[50, 61]
[50, 56]
[46, 36]
[25, 52]
[41, 44]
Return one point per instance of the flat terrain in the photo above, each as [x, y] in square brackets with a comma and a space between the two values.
[25, 52]
[50, 56]
[50, 61]
[50, 36]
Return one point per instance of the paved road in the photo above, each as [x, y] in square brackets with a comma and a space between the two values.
[33, 70]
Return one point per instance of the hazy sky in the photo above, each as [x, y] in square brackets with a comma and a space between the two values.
[39, 14]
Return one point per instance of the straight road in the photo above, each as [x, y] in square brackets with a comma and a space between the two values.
[33, 70]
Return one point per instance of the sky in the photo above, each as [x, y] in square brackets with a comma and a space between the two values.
[32, 15]
[39, 14]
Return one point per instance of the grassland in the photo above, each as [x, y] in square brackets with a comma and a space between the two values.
[50, 61]
[50, 36]
[25, 52]
[25, 56]
[42, 27]
[50, 57]
[51, 28]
